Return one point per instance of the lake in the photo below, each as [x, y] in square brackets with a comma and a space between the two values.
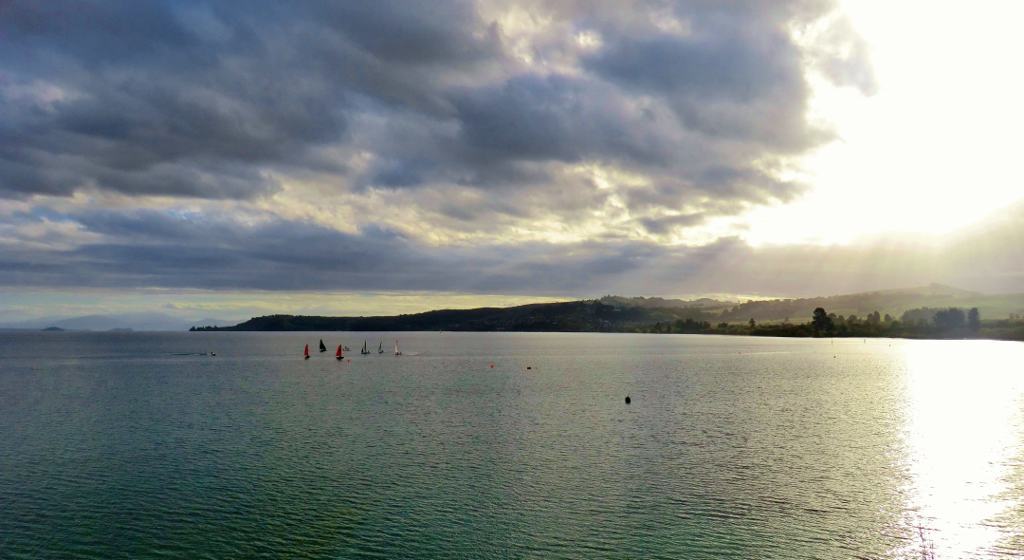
[139, 445]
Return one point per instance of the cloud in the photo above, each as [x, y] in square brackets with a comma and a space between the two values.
[449, 145]
[181, 250]
[194, 99]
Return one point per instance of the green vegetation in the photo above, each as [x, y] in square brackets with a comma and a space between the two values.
[916, 323]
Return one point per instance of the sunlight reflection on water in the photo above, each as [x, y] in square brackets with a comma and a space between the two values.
[962, 435]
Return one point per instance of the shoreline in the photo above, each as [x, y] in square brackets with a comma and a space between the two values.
[723, 334]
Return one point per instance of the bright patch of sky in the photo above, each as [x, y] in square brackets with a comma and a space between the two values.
[934, 149]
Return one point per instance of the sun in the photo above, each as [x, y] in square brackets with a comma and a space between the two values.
[934, 149]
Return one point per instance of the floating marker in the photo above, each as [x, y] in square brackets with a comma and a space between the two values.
[628, 400]
[492, 366]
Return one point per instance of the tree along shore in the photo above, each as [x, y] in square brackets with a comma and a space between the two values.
[1004, 329]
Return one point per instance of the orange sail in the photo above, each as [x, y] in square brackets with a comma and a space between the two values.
[305, 352]
[338, 355]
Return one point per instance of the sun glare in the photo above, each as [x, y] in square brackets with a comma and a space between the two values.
[934, 149]
[963, 421]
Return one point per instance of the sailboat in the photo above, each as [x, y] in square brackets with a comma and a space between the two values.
[397, 351]
[305, 353]
[364, 350]
[338, 355]
[322, 347]
[380, 346]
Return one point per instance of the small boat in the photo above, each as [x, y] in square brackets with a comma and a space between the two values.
[322, 347]
[364, 350]
[380, 346]
[305, 353]
[397, 351]
[339, 355]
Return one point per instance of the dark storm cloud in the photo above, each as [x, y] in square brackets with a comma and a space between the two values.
[557, 118]
[412, 33]
[171, 98]
[664, 225]
[192, 251]
[205, 99]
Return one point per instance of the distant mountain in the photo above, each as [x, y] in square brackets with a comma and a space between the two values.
[143, 321]
[618, 313]
[663, 303]
[933, 289]
[893, 302]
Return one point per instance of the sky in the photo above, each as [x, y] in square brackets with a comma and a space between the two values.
[228, 159]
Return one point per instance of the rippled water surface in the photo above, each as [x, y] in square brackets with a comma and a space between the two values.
[143, 446]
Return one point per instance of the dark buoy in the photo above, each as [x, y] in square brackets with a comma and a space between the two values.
[628, 400]
[529, 367]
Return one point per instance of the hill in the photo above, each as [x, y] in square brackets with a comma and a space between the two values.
[574, 316]
[893, 302]
[628, 314]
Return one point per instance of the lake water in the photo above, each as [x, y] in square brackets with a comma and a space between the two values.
[140, 446]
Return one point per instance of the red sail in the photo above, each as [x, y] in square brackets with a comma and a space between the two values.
[338, 353]
[306, 351]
